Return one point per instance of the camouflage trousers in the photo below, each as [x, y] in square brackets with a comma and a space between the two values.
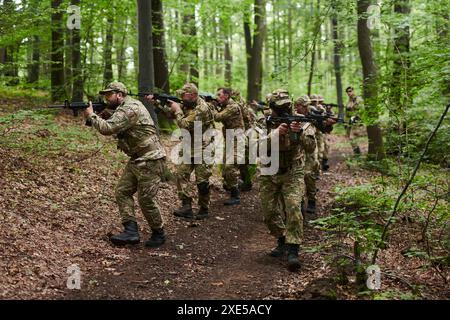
[312, 168]
[231, 175]
[326, 147]
[281, 195]
[320, 137]
[144, 178]
[185, 187]
[230, 172]
[350, 130]
[247, 170]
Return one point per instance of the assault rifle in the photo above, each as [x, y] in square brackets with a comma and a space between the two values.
[332, 105]
[77, 106]
[162, 97]
[316, 118]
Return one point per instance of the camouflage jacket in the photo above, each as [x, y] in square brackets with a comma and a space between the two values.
[135, 130]
[230, 116]
[202, 113]
[353, 106]
[292, 152]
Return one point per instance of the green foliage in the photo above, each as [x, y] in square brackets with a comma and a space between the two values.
[36, 134]
[358, 213]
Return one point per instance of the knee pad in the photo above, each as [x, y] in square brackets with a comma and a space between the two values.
[203, 188]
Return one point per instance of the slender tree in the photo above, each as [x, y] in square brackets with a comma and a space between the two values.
[254, 48]
[337, 57]
[159, 48]
[107, 49]
[57, 53]
[146, 80]
[77, 71]
[376, 150]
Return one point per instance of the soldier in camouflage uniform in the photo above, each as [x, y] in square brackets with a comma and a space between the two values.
[351, 111]
[326, 144]
[135, 130]
[194, 109]
[319, 134]
[231, 118]
[302, 107]
[249, 116]
[281, 193]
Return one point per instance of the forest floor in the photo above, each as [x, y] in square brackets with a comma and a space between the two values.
[57, 209]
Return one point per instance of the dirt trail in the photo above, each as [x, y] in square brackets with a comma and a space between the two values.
[223, 257]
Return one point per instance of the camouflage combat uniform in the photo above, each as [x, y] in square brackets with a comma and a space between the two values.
[319, 134]
[231, 118]
[312, 165]
[249, 116]
[135, 130]
[185, 120]
[352, 109]
[282, 192]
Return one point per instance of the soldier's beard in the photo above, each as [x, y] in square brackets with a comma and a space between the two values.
[113, 104]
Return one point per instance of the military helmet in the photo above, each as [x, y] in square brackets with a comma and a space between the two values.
[320, 98]
[303, 100]
[280, 97]
[115, 87]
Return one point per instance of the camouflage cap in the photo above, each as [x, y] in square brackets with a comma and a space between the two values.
[280, 97]
[188, 88]
[314, 98]
[303, 100]
[115, 87]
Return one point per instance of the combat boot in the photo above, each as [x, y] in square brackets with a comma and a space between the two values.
[311, 206]
[186, 210]
[280, 249]
[325, 165]
[130, 235]
[202, 213]
[293, 262]
[235, 197]
[157, 238]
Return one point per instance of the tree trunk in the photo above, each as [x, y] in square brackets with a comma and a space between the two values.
[376, 150]
[159, 48]
[77, 71]
[107, 53]
[399, 87]
[146, 80]
[193, 68]
[67, 62]
[311, 68]
[254, 62]
[57, 54]
[227, 53]
[337, 59]
[33, 67]
[121, 53]
[290, 33]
